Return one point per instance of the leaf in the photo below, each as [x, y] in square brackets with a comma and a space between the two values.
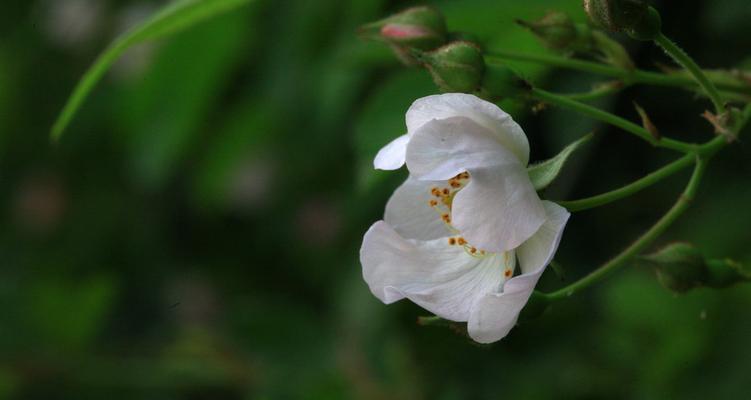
[544, 173]
[178, 15]
[646, 122]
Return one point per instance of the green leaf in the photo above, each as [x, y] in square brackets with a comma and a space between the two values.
[178, 15]
[544, 173]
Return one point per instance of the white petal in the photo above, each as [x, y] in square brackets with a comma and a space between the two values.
[441, 149]
[495, 314]
[487, 114]
[537, 252]
[409, 213]
[391, 156]
[443, 279]
[499, 209]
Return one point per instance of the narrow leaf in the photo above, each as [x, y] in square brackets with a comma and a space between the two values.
[646, 122]
[177, 16]
[544, 173]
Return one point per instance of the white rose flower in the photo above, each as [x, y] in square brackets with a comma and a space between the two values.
[455, 230]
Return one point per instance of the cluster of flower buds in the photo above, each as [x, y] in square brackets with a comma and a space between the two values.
[633, 17]
[419, 36]
[681, 267]
[559, 32]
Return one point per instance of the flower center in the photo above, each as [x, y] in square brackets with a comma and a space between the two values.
[442, 198]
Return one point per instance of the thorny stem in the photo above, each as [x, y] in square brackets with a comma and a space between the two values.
[687, 62]
[611, 119]
[625, 75]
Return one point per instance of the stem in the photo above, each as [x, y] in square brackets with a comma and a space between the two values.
[628, 190]
[702, 156]
[597, 92]
[628, 76]
[640, 244]
[688, 63]
[611, 119]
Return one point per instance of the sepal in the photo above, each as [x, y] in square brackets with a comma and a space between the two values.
[544, 173]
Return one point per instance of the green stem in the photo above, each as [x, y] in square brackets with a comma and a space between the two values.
[701, 156]
[682, 58]
[611, 119]
[627, 76]
[628, 190]
[597, 92]
[640, 244]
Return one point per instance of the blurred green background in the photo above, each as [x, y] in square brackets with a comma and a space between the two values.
[195, 233]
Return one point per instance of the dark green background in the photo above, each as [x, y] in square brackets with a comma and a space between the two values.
[195, 233]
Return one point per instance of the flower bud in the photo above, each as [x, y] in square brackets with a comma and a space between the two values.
[559, 32]
[422, 28]
[726, 272]
[556, 30]
[455, 67]
[500, 82]
[681, 267]
[634, 17]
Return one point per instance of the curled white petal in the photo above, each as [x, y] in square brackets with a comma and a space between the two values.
[499, 209]
[442, 279]
[391, 156]
[495, 314]
[409, 213]
[504, 129]
[537, 252]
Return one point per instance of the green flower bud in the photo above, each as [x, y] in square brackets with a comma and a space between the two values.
[455, 67]
[634, 17]
[681, 267]
[559, 32]
[556, 30]
[500, 82]
[422, 28]
[726, 272]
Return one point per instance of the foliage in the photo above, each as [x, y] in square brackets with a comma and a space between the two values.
[194, 234]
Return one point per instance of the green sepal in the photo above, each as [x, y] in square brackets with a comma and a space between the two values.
[544, 173]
